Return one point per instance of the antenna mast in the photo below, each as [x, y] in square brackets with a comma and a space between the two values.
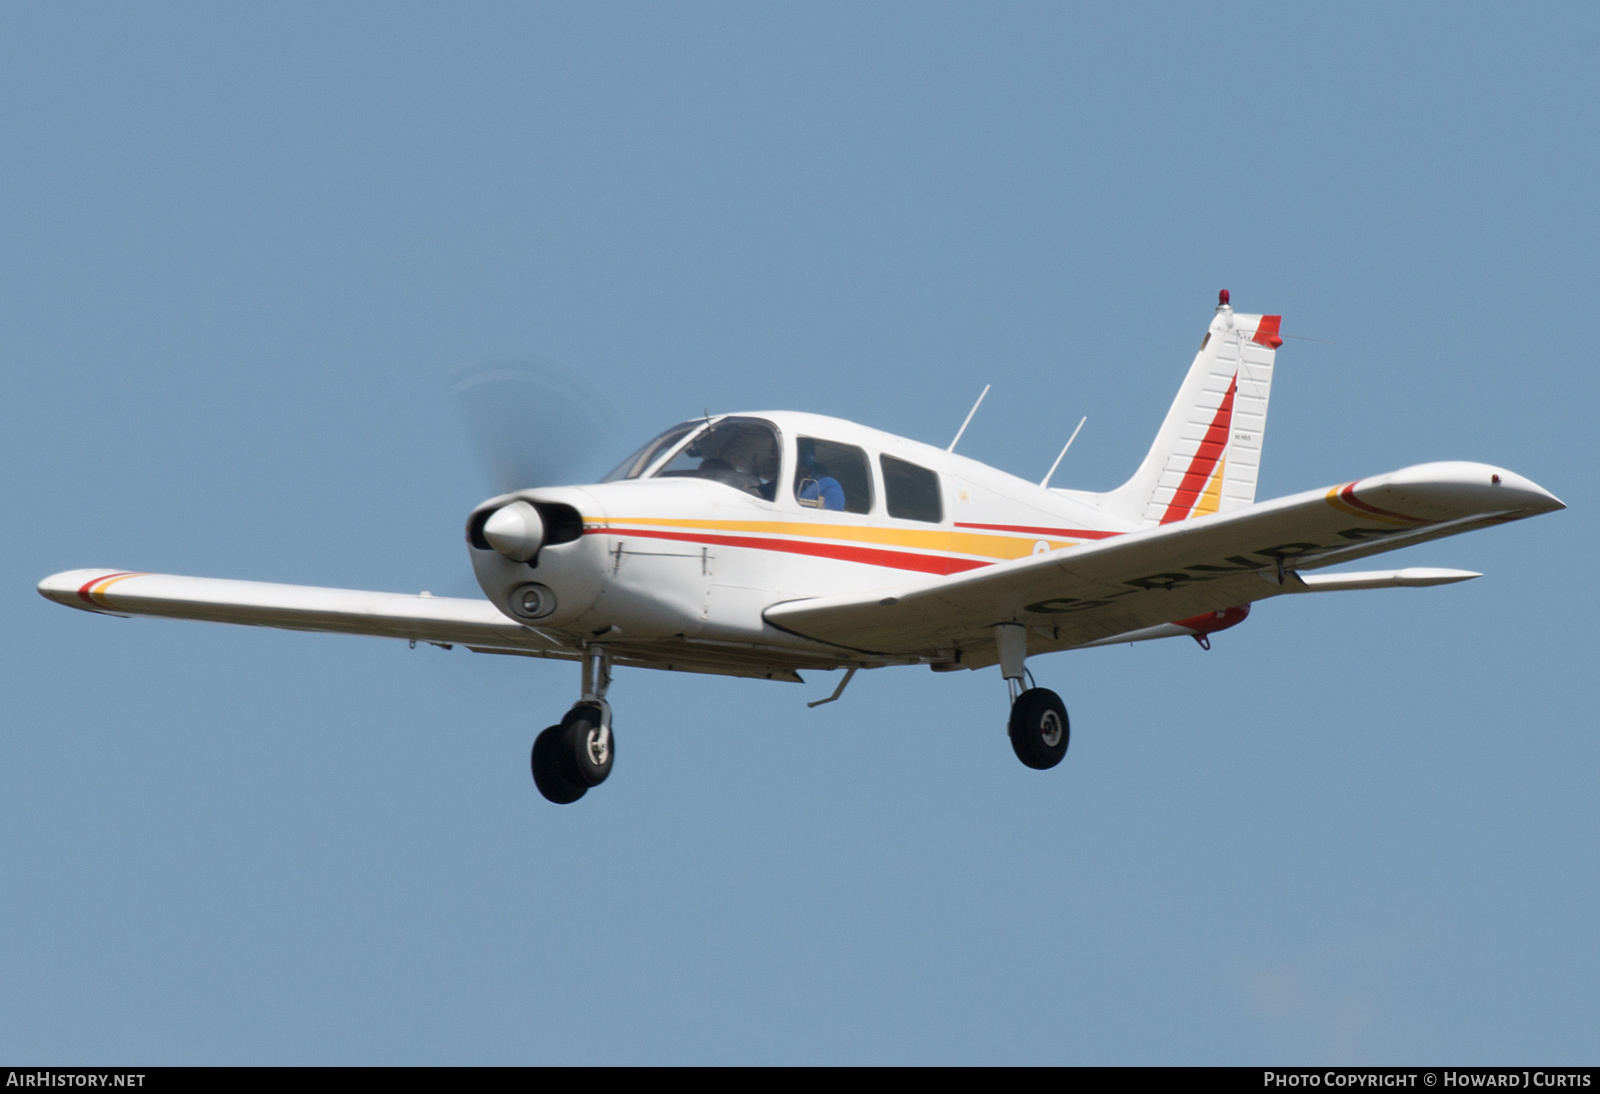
[968, 422]
[1045, 482]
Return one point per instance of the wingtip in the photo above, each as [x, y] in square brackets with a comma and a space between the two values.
[69, 587]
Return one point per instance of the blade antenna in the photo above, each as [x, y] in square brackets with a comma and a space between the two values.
[968, 422]
[1045, 482]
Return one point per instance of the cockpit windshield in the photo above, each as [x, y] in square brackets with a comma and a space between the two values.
[739, 452]
[638, 463]
[743, 453]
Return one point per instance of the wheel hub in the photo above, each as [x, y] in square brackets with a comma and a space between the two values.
[597, 743]
[1050, 728]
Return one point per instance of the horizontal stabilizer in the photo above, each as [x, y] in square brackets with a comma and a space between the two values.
[1143, 634]
[1414, 577]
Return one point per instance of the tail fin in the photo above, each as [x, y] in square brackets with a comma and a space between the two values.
[1208, 451]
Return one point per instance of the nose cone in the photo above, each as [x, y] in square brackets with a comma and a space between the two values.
[515, 530]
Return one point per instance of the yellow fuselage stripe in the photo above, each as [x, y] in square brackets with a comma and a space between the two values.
[963, 543]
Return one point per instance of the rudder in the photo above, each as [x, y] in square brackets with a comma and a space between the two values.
[1207, 455]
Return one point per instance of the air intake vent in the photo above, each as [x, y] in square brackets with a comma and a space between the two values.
[562, 524]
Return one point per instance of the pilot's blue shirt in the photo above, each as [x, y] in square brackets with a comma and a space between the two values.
[827, 488]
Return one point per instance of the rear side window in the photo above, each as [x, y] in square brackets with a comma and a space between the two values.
[830, 475]
[911, 491]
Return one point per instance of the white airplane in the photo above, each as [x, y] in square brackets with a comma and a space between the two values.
[760, 544]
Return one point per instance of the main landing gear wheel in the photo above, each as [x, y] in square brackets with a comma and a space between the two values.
[1039, 728]
[571, 757]
[554, 774]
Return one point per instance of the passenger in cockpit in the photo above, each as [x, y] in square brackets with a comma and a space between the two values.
[816, 488]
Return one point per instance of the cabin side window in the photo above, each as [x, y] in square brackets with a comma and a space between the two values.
[912, 492]
[829, 475]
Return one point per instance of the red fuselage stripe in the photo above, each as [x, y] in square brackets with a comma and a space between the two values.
[1205, 460]
[1027, 529]
[872, 556]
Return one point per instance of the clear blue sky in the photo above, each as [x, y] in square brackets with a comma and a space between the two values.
[242, 246]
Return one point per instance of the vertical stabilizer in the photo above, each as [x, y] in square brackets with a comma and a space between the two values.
[1206, 456]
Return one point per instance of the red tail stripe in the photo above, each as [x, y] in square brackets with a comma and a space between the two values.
[1267, 332]
[1205, 460]
[872, 556]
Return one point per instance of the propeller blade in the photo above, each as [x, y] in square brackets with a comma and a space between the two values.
[532, 422]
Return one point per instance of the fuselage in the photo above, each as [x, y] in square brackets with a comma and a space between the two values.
[678, 550]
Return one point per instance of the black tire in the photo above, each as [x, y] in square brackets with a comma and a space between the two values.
[588, 752]
[551, 769]
[1040, 731]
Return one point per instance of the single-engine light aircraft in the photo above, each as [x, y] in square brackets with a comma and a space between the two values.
[761, 544]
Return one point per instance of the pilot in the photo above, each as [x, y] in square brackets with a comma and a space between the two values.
[816, 488]
[720, 470]
[765, 470]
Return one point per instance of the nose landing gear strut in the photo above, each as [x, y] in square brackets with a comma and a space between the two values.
[577, 753]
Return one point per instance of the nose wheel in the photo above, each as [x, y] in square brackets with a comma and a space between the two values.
[577, 753]
[1039, 729]
[570, 757]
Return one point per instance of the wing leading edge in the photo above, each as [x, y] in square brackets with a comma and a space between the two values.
[444, 621]
[292, 607]
[1078, 595]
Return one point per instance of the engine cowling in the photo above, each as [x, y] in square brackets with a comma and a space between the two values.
[538, 539]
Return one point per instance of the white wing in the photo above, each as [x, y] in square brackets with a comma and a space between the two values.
[448, 621]
[294, 607]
